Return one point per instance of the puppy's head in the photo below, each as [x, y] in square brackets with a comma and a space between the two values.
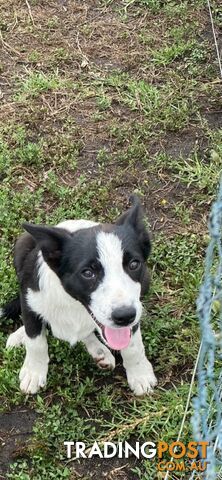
[103, 267]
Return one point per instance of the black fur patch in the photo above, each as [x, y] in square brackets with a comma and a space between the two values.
[133, 249]
[25, 261]
[33, 322]
[12, 310]
[80, 253]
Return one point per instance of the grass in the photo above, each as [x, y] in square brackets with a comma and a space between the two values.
[37, 83]
[96, 105]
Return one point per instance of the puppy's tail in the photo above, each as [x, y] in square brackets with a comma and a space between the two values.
[11, 310]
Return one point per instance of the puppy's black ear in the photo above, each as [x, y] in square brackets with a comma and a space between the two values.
[135, 218]
[134, 215]
[50, 240]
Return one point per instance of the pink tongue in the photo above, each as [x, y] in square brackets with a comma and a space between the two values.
[117, 338]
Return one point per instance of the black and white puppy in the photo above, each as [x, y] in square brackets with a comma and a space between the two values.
[78, 278]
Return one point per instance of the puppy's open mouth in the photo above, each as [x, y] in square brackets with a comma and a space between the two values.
[117, 338]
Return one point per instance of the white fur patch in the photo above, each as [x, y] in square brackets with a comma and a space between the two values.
[117, 289]
[139, 370]
[16, 338]
[74, 225]
[33, 373]
[66, 316]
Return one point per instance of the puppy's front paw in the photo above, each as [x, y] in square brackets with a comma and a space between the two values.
[105, 359]
[141, 378]
[16, 338]
[32, 379]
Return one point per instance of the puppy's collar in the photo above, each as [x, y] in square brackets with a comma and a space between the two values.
[93, 316]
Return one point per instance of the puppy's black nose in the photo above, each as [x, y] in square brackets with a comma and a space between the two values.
[123, 316]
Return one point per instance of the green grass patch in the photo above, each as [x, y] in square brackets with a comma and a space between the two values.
[37, 83]
[169, 54]
[199, 171]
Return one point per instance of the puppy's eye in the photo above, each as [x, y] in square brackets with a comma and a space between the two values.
[88, 273]
[134, 264]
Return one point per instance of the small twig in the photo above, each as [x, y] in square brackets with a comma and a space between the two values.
[7, 105]
[15, 22]
[79, 48]
[65, 107]
[161, 226]
[115, 470]
[128, 5]
[30, 12]
[21, 168]
[215, 37]
[56, 103]
[47, 103]
[7, 46]
[75, 472]
[100, 14]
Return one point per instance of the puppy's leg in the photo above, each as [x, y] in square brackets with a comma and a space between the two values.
[100, 353]
[33, 373]
[139, 370]
[16, 338]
